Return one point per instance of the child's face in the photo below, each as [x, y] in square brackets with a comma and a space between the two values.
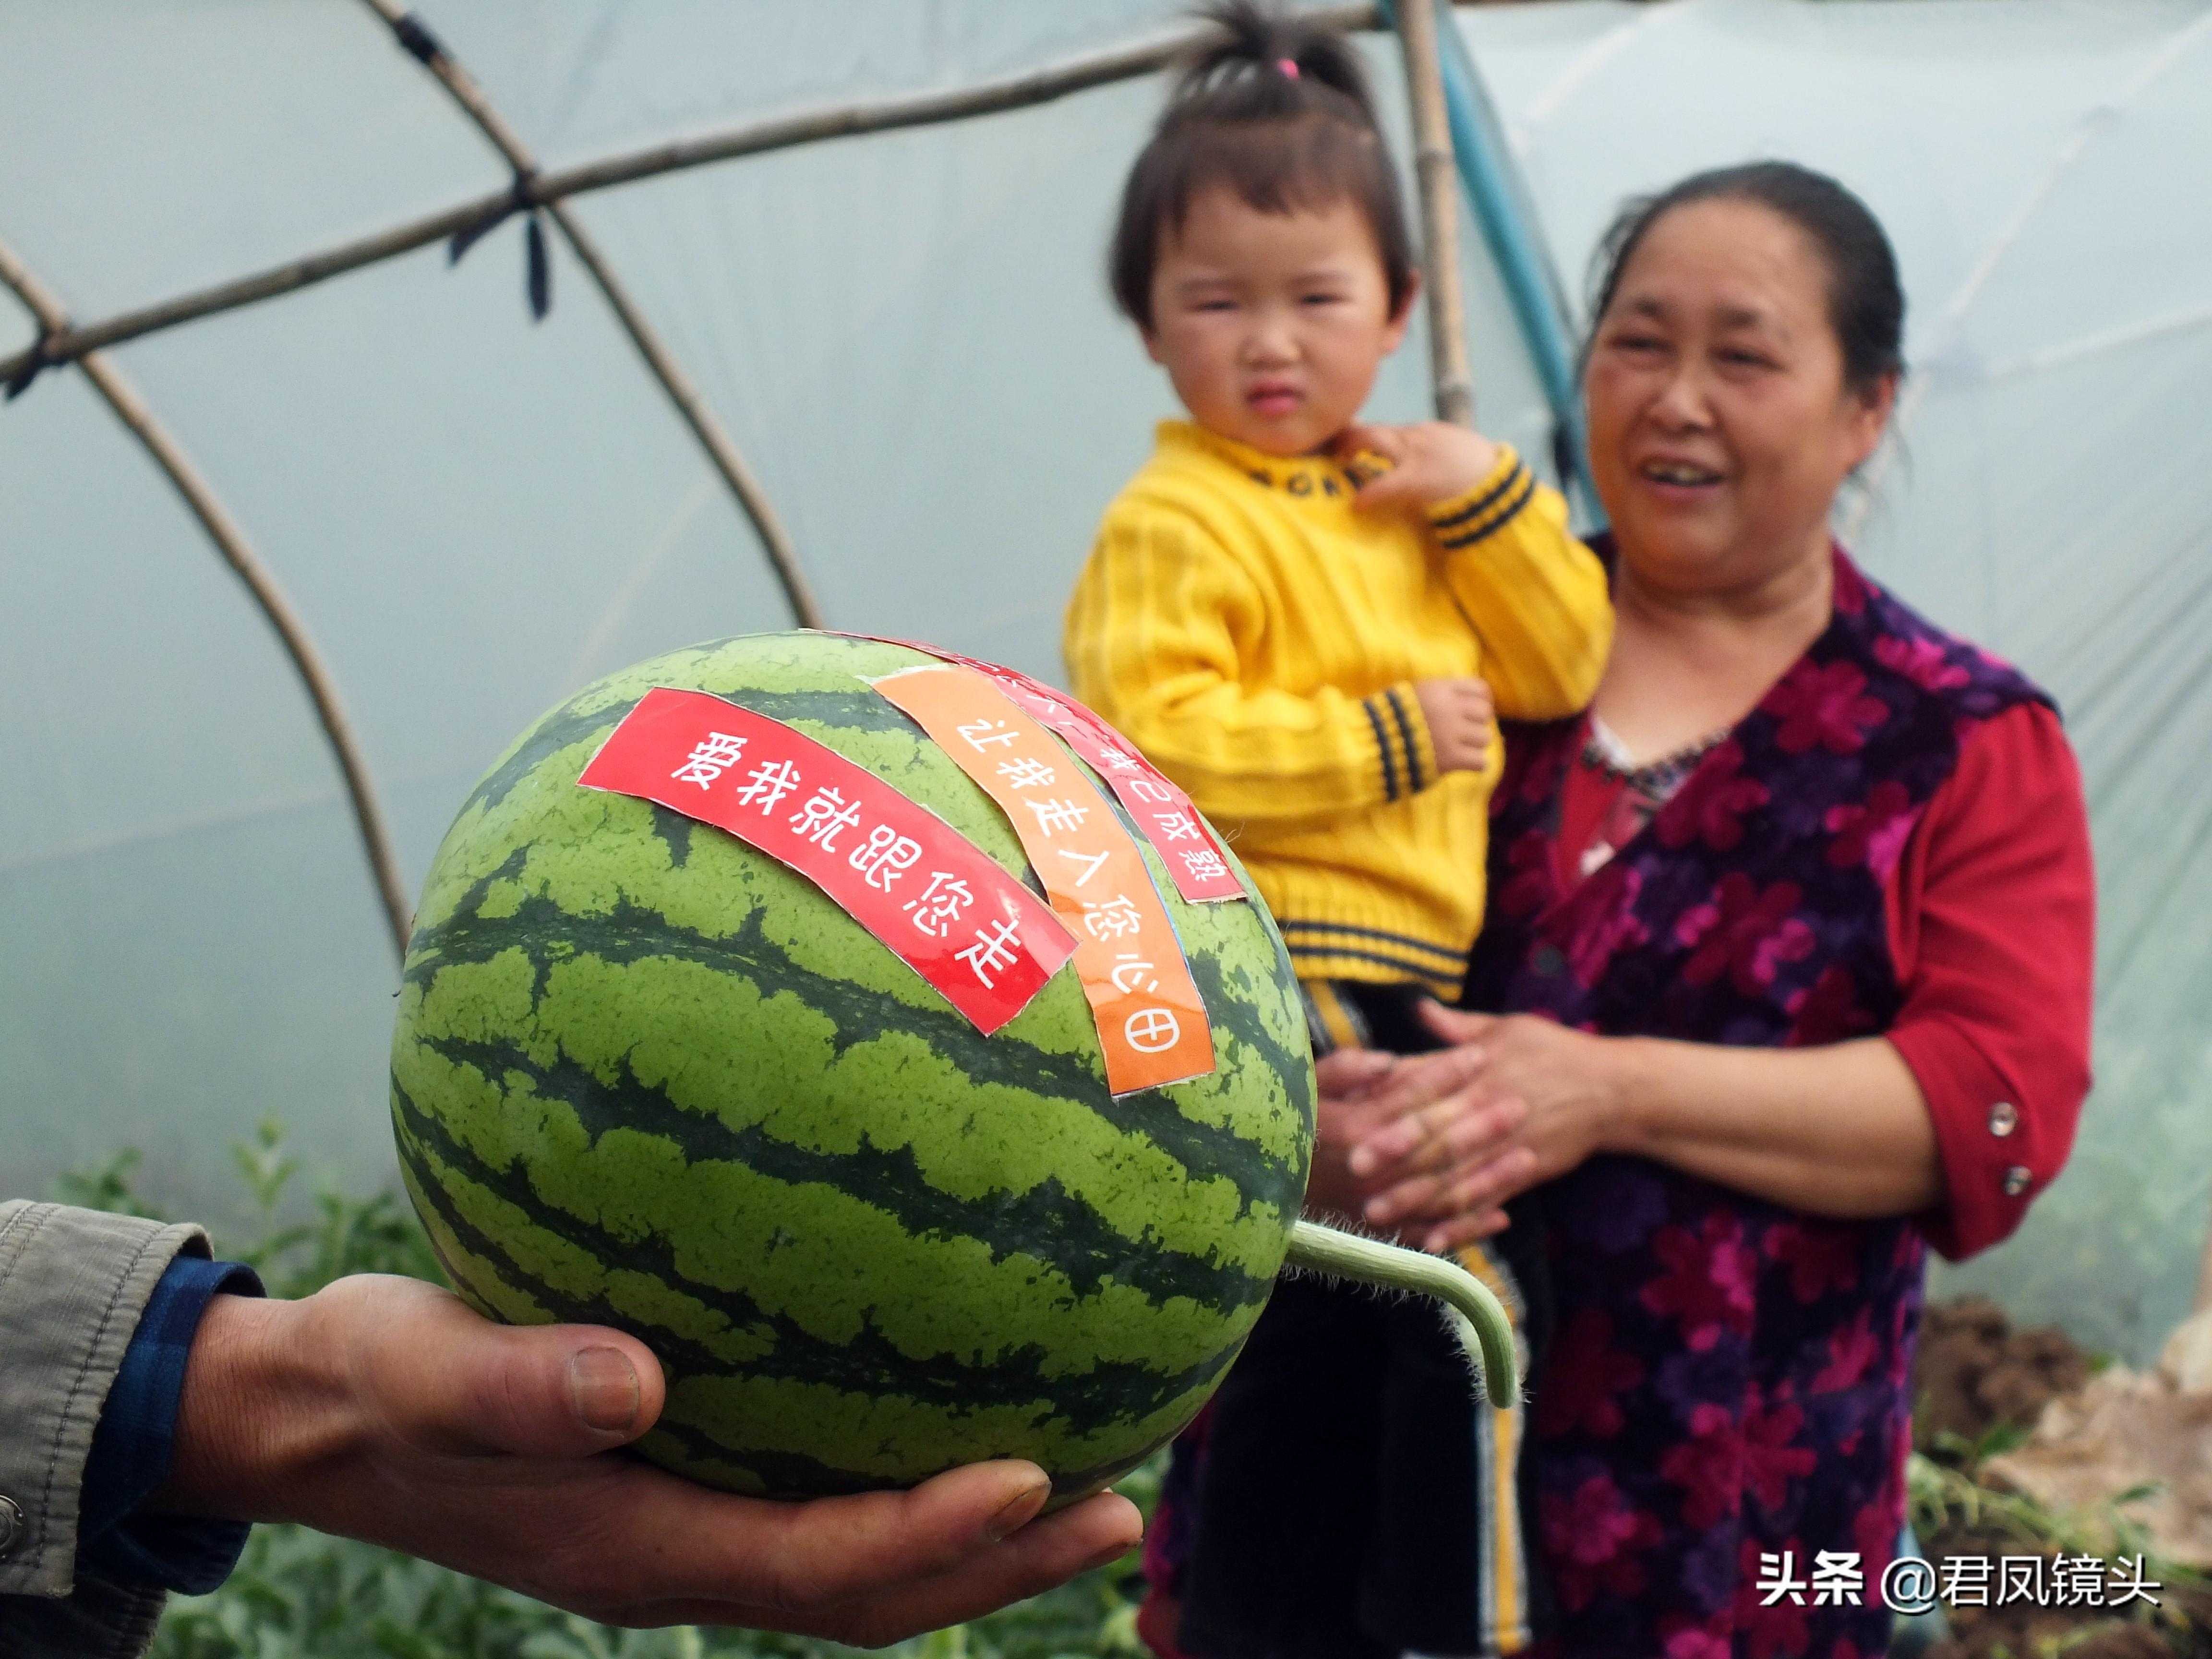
[1272, 325]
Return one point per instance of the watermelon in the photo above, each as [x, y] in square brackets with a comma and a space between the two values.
[644, 1076]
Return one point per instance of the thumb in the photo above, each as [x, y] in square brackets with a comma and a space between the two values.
[562, 1391]
[1348, 1074]
[1396, 488]
[467, 1385]
[1366, 453]
[1451, 1025]
[1357, 439]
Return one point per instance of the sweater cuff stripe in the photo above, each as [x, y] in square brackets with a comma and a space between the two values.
[1457, 957]
[1488, 498]
[1414, 783]
[1315, 961]
[1382, 747]
[1483, 529]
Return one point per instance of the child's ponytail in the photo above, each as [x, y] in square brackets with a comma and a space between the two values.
[1277, 109]
[1258, 65]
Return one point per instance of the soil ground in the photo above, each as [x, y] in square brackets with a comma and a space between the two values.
[1979, 1379]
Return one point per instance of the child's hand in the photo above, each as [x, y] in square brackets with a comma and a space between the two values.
[1459, 714]
[1431, 462]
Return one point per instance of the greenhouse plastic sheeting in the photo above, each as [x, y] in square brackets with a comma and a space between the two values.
[2043, 167]
[908, 335]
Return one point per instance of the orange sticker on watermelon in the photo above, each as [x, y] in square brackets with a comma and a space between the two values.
[1163, 811]
[943, 906]
[1153, 1025]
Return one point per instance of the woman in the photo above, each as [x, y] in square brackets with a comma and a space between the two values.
[1789, 945]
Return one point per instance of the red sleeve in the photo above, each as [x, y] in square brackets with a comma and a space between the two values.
[1992, 925]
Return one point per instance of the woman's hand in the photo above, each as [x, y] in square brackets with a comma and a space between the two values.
[1439, 1105]
[1349, 1081]
[1538, 1099]
[1836, 1129]
[1430, 461]
[384, 1409]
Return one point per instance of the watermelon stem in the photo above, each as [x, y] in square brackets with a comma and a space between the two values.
[1477, 1319]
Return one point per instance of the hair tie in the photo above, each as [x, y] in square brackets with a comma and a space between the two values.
[1289, 67]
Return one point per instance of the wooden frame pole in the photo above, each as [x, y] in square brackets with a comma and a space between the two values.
[1437, 177]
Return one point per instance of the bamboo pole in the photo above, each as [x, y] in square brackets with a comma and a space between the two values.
[682, 391]
[69, 344]
[230, 541]
[1017, 91]
[1436, 174]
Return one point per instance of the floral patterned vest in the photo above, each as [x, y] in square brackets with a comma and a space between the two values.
[1730, 1379]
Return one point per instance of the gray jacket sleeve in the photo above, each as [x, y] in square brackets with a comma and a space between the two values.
[73, 1284]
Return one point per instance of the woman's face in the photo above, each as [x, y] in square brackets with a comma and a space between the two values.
[1720, 424]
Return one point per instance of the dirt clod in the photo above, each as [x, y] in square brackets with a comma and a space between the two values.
[1975, 1373]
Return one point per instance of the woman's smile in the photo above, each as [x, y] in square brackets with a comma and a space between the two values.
[1680, 481]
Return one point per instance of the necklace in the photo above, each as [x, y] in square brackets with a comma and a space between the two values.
[1648, 788]
[1655, 780]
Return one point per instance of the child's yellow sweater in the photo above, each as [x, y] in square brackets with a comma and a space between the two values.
[1258, 638]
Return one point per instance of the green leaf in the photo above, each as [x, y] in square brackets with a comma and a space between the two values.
[107, 1186]
[264, 1164]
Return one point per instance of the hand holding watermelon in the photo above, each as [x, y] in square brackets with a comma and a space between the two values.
[383, 1409]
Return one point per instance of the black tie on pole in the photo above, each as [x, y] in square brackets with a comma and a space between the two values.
[537, 269]
[39, 359]
[414, 34]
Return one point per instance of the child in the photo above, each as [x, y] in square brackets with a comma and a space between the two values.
[1310, 625]
[1306, 622]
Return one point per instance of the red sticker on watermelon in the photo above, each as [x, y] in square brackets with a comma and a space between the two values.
[1164, 813]
[942, 905]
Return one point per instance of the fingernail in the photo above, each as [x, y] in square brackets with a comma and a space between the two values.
[602, 1384]
[1110, 1554]
[1018, 1511]
[1361, 1162]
